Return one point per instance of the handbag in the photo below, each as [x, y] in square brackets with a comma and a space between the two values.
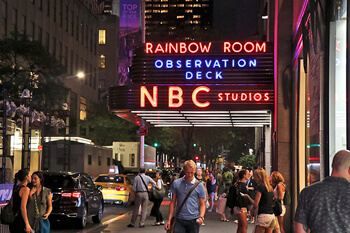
[159, 194]
[173, 219]
[150, 194]
[7, 215]
[41, 225]
[220, 207]
[277, 207]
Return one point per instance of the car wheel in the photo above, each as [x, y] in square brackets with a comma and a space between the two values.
[98, 218]
[82, 221]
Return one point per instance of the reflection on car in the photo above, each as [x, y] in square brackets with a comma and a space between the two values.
[116, 189]
[74, 196]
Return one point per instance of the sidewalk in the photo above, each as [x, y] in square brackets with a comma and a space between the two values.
[212, 223]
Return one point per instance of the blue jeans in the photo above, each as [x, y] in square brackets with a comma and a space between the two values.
[186, 226]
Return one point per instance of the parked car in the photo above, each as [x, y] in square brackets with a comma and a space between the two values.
[116, 189]
[74, 196]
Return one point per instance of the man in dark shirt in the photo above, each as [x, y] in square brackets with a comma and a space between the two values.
[323, 207]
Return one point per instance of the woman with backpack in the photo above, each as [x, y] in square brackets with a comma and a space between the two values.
[20, 196]
[241, 203]
[279, 192]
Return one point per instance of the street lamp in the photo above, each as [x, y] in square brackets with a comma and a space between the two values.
[26, 112]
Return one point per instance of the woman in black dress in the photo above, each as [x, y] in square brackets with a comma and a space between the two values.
[20, 196]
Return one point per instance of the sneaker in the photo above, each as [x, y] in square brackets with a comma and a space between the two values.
[162, 223]
[236, 221]
[203, 224]
[130, 225]
[209, 210]
[156, 224]
[142, 226]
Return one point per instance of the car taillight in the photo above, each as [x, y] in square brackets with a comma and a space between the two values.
[120, 188]
[73, 194]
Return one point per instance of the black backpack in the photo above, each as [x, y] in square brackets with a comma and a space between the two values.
[286, 199]
[233, 197]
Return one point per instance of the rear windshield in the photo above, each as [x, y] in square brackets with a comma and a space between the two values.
[151, 174]
[57, 182]
[110, 179]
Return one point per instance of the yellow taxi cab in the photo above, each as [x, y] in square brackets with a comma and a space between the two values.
[151, 173]
[116, 188]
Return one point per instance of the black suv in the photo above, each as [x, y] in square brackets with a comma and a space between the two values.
[74, 196]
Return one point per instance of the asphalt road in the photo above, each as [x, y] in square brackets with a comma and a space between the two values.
[110, 212]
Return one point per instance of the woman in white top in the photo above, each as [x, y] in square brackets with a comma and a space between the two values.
[157, 202]
[278, 193]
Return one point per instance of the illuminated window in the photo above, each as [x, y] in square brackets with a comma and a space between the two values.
[148, 5]
[205, 5]
[163, 0]
[102, 62]
[165, 5]
[82, 108]
[156, 5]
[164, 22]
[180, 17]
[172, 5]
[188, 11]
[196, 16]
[148, 11]
[189, 5]
[148, 16]
[172, 28]
[180, 5]
[164, 11]
[148, 0]
[156, 11]
[188, 0]
[197, 5]
[102, 36]
[196, 22]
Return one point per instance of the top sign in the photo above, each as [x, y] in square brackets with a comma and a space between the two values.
[207, 48]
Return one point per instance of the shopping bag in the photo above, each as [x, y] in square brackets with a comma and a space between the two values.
[221, 204]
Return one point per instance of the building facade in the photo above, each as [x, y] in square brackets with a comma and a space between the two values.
[170, 19]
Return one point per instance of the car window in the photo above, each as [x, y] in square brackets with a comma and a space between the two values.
[151, 174]
[110, 179]
[128, 181]
[58, 181]
[85, 183]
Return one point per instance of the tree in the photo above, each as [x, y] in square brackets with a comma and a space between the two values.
[104, 128]
[25, 64]
[247, 161]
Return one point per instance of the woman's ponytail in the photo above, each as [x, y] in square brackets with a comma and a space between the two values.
[15, 182]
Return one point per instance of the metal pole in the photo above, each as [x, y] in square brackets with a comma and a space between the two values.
[4, 136]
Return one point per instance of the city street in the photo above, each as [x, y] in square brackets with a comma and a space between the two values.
[116, 218]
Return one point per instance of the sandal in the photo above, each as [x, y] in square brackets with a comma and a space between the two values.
[225, 220]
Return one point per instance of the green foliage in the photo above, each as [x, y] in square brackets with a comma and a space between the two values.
[103, 128]
[25, 64]
[247, 161]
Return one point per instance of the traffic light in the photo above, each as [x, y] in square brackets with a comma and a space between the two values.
[196, 157]
[155, 144]
[194, 144]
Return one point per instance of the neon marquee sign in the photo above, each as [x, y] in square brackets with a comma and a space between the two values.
[200, 96]
[198, 62]
[201, 47]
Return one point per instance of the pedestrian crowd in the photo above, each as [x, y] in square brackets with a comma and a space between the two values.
[255, 198]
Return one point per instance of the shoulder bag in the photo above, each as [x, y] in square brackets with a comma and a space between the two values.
[41, 225]
[7, 215]
[173, 219]
[159, 194]
[150, 194]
